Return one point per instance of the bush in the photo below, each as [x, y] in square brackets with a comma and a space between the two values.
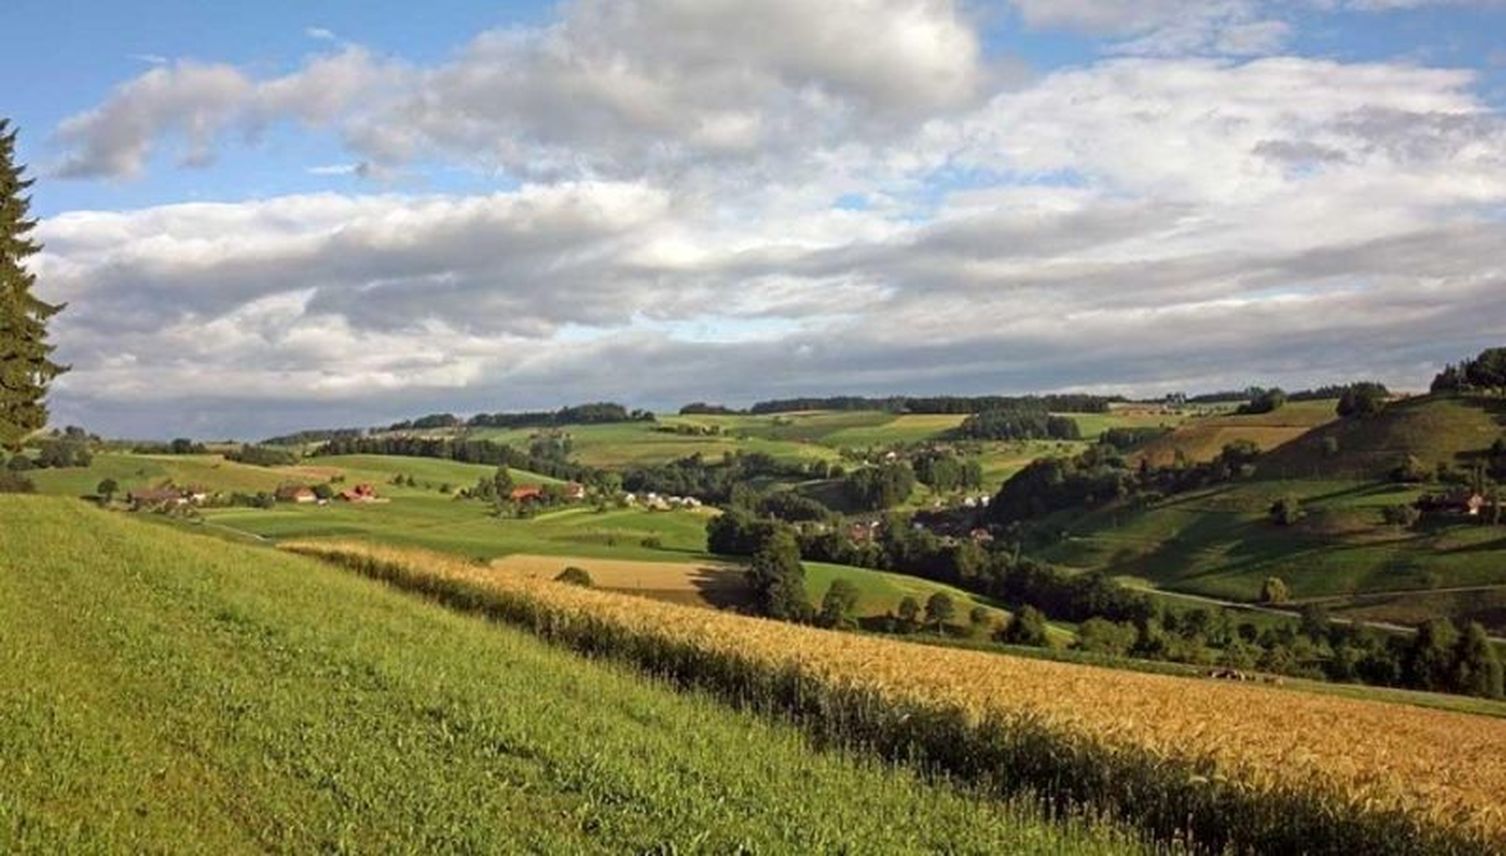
[1362, 399]
[1410, 471]
[1403, 516]
[575, 576]
[19, 464]
[837, 606]
[1025, 627]
[939, 610]
[13, 482]
[1266, 401]
[1286, 511]
[1274, 590]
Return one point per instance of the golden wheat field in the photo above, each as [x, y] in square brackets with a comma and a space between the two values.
[625, 574]
[1448, 768]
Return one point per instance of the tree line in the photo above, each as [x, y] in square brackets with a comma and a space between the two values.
[941, 404]
[1484, 373]
[1113, 619]
[467, 451]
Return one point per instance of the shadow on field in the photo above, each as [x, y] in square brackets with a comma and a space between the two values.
[723, 588]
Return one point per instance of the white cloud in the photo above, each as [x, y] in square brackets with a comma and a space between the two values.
[611, 88]
[199, 102]
[1145, 221]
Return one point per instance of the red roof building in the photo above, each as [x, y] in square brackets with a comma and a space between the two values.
[527, 493]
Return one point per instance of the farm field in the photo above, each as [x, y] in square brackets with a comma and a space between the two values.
[638, 443]
[1201, 439]
[164, 692]
[720, 584]
[1129, 416]
[468, 528]
[1002, 460]
[132, 471]
[1380, 772]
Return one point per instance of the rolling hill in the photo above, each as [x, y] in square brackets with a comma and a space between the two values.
[1201, 439]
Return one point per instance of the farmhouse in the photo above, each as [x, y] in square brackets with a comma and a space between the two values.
[359, 493]
[296, 493]
[527, 493]
[1466, 503]
[151, 497]
[575, 491]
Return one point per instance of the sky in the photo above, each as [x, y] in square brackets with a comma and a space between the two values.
[309, 213]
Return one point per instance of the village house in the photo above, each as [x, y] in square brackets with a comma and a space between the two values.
[575, 491]
[862, 531]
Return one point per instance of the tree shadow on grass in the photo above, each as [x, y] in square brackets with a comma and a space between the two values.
[721, 587]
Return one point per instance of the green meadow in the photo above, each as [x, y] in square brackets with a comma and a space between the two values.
[162, 692]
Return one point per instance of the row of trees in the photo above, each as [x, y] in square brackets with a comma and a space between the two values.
[1059, 402]
[470, 452]
[262, 456]
[718, 480]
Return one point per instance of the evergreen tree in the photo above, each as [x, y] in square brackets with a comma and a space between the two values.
[25, 366]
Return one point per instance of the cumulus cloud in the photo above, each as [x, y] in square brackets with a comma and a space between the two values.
[1142, 222]
[609, 89]
[199, 102]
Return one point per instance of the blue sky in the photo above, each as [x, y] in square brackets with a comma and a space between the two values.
[274, 214]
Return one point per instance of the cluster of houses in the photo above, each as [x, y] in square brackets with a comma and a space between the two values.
[302, 494]
[865, 531]
[166, 496]
[172, 496]
[655, 502]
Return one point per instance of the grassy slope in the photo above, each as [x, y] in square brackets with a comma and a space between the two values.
[161, 692]
[468, 528]
[1128, 416]
[1435, 430]
[1220, 542]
